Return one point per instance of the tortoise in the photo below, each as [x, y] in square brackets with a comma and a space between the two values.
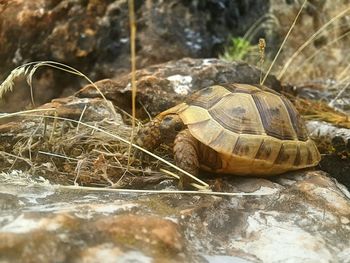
[238, 129]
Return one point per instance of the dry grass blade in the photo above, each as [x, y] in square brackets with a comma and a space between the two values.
[308, 60]
[81, 117]
[318, 110]
[9, 115]
[303, 46]
[283, 43]
[133, 70]
[204, 192]
[340, 93]
[344, 72]
[28, 161]
[252, 31]
[29, 70]
[8, 83]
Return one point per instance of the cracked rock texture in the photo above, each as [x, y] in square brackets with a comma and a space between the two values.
[300, 217]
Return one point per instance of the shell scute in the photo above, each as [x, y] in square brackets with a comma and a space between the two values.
[274, 116]
[237, 113]
[207, 97]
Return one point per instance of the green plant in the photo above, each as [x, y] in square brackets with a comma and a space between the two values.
[239, 49]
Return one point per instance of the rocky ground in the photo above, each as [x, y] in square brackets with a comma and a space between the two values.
[300, 217]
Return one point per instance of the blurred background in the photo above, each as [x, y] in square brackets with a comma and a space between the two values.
[93, 36]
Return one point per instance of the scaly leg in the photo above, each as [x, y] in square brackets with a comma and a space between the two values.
[186, 156]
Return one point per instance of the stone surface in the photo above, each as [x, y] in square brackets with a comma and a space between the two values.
[300, 217]
[334, 144]
[164, 85]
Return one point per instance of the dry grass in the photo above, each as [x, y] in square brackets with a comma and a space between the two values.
[318, 46]
[93, 154]
[315, 47]
[68, 151]
[319, 110]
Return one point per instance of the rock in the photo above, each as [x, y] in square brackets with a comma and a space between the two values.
[93, 36]
[164, 85]
[146, 232]
[297, 217]
[334, 145]
[86, 110]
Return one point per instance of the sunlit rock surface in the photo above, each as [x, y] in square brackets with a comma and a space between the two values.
[299, 217]
[161, 86]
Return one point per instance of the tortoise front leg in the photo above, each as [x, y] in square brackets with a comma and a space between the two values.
[186, 156]
[148, 136]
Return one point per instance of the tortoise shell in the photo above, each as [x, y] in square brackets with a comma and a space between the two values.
[253, 129]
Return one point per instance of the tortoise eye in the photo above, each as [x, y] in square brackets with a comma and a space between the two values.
[167, 119]
[178, 127]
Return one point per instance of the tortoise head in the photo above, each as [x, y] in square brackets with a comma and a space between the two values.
[170, 125]
[162, 129]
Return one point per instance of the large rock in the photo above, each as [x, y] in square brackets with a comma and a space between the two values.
[161, 86]
[93, 36]
[298, 217]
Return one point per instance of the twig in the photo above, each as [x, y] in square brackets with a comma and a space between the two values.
[132, 23]
[331, 103]
[81, 117]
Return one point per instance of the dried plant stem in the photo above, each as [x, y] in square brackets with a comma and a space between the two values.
[301, 48]
[99, 189]
[340, 93]
[54, 125]
[28, 161]
[284, 41]
[9, 115]
[80, 118]
[132, 23]
[343, 73]
[30, 68]
[262, 46]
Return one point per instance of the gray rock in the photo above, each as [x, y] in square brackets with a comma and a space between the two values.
[298, 217]
[164, 85]
[93, 36]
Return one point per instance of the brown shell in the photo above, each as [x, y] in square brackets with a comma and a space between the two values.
[254, 129]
